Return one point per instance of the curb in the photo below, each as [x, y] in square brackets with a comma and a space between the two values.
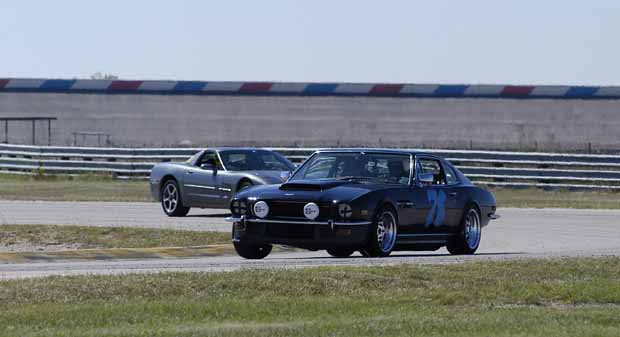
[118, 253]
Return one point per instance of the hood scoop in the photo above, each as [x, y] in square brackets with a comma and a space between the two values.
[311, 185]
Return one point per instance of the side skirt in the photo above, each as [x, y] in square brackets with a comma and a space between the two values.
[422, 241]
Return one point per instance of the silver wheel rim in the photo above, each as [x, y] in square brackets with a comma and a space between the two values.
[472, 229]
[170, 198]
[386, 231]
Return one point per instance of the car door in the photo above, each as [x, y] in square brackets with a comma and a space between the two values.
[456, 197]
[200, 183]
[414, 207]
[431, 198]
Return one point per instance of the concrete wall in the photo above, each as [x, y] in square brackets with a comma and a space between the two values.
[171, 120]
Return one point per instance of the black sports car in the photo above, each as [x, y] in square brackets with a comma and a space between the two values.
[371, 200]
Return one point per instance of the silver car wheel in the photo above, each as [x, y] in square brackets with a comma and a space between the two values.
[472, 229]
[386, 231]
[170, 198]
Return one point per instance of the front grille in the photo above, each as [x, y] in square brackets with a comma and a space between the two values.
[295, 210]
[291, 231]
[286, 209]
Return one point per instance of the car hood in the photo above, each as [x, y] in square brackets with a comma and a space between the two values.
[311, 190]
[271, 177]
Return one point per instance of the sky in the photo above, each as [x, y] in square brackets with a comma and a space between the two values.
[451, 42]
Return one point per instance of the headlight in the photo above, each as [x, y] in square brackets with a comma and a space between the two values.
[311, 211]
[345, 211]
[238, 207]
[261, 209]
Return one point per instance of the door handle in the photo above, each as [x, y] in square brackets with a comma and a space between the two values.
[452, 194]
[190, 172]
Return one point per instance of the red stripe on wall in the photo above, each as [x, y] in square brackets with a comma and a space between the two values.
[513, 90]
[255, 87]
[386, 89]
[3, 83]
[125, 85]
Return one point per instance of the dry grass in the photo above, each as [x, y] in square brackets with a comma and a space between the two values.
[79, 188]
[83, 237]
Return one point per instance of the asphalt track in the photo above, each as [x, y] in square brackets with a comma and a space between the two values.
[520, 233]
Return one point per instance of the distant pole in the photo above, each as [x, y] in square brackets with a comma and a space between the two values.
[33, 133]
[49, 132]
[6, 131]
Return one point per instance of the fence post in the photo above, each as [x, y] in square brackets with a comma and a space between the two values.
[49, 132]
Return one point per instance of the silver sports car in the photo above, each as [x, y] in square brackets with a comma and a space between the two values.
[210, 178]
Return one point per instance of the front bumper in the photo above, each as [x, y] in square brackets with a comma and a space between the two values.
[301, 233]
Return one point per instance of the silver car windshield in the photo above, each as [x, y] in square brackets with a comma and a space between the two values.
[374, 167]
[255, 160]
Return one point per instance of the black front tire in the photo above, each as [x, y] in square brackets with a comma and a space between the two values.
[171, 201]
[252, 251]
[465, 243]
[340, 252]
[249, 251]
[378, 245]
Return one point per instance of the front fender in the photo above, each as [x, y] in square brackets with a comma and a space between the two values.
[373, 202]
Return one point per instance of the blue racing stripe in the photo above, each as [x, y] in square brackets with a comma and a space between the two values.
[188, 86]
[320, 88]
[57, 85]
[450, 90]
[581, 91]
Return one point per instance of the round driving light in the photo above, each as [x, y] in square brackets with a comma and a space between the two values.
[311, 210]
[261, 209]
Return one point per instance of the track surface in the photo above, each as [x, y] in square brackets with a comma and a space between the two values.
[520, 233]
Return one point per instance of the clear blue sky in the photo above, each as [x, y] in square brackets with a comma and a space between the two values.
[514, 42]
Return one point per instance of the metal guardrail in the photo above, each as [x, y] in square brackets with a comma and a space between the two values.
[512, 169]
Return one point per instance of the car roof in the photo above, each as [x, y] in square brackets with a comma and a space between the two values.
[380, 150]
[226, 148]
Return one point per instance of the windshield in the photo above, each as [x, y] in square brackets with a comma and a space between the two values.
[376, 167]
[254, 160]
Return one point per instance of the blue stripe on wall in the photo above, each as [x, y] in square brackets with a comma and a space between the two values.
[57, 85]
[320, 88]
[450, 90]
[189, 86]
[581, 91]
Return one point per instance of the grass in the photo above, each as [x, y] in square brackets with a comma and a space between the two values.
[567, 297]
[105, 188]
[106, 237]
[67, 188]
[537, 198]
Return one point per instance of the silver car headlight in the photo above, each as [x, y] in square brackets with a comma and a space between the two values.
[261, 209]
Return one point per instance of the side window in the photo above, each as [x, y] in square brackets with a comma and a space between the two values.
[432, 166]
[450, 175]
[270, 162]
[209, 157]
[237, 161]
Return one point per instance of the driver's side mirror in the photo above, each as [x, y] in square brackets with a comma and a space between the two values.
[426, 178]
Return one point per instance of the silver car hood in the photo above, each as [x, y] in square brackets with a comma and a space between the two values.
[273, 177]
